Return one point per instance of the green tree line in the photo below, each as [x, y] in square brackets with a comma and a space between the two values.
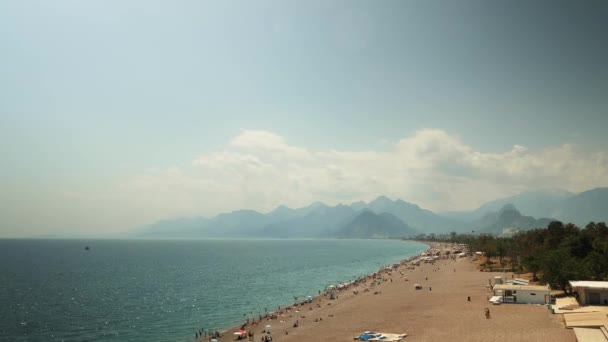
[554, 255]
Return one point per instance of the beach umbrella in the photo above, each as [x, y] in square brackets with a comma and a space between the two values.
[214, 340]
[268, 325]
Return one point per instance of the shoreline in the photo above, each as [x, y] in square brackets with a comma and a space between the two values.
[389, 303]
[228, 333]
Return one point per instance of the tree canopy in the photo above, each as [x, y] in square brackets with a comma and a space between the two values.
[554, 255]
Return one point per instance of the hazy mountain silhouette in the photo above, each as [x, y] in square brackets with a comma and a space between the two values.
[420, 219]
[508, 217]
[368, 224]
[179, 227]
[240, 223]
[358, 205]
[585, 207]
[321, 220]
[581, 208]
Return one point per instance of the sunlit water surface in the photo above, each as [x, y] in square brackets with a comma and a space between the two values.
[165, 290]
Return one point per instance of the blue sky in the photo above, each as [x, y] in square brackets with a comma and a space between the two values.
[97, 97]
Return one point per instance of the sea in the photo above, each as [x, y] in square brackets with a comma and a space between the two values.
[166, 290]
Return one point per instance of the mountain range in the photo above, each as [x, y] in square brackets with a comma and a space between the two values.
[494, 222]
[383, 217]
[580, 209]
[371, 225]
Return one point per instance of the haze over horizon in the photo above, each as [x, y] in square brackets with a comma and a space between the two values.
[114, 114]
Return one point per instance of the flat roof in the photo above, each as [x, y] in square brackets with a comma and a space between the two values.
[589, 334]
[590, 284]
[586, 319]
[521, 287]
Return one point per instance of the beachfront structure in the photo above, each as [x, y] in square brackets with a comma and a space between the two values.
[591, 292]
[510, 231]
[523, 294]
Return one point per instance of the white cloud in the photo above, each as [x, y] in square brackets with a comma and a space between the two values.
[260, 170]
[268, 143]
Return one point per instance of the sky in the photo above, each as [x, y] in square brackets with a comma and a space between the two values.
[114, 114]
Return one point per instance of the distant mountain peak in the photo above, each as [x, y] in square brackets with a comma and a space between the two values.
[559, 191]
[368, 224]
[281, 208]
[415, 217]
[240, 212]
[317, 204]
[402, 202]
[508, 217]
[594, 191]
[382, 199]
[508, 207]
[386, 217]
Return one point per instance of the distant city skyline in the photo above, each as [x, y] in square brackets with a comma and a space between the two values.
[114, 114]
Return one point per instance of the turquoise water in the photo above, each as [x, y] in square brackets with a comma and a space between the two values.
[165, 290]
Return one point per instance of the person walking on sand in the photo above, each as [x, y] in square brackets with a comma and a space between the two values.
[487, 311]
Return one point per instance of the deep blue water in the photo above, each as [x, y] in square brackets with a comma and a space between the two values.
[164, 290]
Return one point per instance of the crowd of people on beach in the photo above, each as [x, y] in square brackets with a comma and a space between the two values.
[367, 283]
[206, 335]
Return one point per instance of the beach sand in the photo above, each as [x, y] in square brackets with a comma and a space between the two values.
[438, 312]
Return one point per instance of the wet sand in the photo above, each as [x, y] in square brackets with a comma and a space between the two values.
[438, 312]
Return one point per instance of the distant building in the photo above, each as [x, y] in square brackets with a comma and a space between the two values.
[523, 294]
[510, 231]
[591, 292]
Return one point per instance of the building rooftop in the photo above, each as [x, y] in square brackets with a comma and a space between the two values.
[521, 287]
[589, 284]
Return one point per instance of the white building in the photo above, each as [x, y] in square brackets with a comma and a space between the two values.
[510, 231]
[523, 294]
[591, 292]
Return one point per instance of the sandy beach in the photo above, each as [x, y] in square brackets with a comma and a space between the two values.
[438, 312]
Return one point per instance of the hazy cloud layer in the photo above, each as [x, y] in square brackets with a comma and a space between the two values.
[260, 170]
